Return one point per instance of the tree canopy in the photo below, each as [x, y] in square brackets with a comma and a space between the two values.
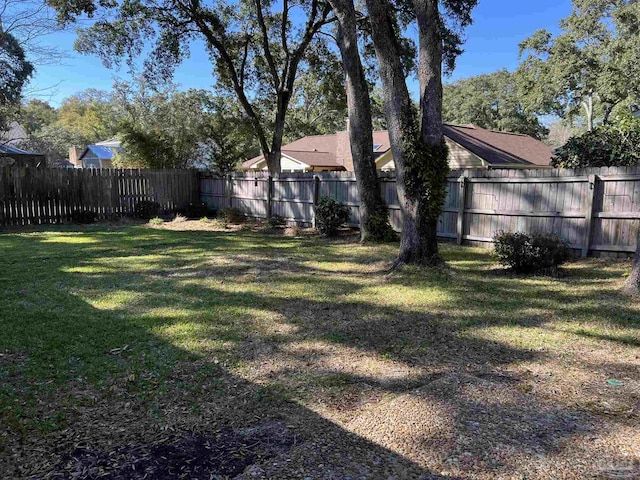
[590, 67]
[160, 127]
[15, 71]
[490, 101]
[35, 115]
[611, 145]
[318, 104]
[172, 129]
[256, 49]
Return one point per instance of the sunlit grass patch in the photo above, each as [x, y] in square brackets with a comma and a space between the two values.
[71, 239]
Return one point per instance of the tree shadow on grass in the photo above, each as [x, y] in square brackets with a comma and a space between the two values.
[89, 392]
[177, 323]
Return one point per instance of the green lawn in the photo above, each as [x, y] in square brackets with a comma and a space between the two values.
[121, 339]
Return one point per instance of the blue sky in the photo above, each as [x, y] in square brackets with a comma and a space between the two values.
[492, 44]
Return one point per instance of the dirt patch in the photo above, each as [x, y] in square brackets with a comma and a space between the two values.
[256, 226]
[223, 454]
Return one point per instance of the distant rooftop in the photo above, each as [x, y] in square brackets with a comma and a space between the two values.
[9, 149]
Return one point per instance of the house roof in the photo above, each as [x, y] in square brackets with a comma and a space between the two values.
[495, 148]
[500, 148]
[314, 150]
[313, 158]
[102, 152]
[322, 150]
[14, 135]
[9, 149]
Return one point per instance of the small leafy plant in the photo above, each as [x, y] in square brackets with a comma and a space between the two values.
[538, 252]
[231, 215]
[156, 221]
[331, 215]
[147, 210]
[277, 221]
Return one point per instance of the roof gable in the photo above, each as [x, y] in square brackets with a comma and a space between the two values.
[14, 135]
[101, 152]
[494, 148]
[500, 148]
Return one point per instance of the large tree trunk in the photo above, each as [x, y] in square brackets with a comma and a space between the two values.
[274, 157]
[420, 155]
[274, 164]
[632, 285]
[374, 223]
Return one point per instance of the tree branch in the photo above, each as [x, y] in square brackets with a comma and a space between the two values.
[244, 60]
[265, 45]
[208, 24]
[283, 30]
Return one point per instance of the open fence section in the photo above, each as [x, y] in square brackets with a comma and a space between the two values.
[40, 196]
[596, 210]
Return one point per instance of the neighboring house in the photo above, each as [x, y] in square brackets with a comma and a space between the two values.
[469, 147]
[11, 155]
[16, 157]
[14, 136]
[99, 155]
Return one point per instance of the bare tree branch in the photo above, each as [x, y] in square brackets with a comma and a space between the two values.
[265, 44]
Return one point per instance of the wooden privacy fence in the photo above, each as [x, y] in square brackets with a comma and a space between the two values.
[37, 196]
[596, 210]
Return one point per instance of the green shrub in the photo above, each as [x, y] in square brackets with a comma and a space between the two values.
[83, 216]
[147, 210]
[277, 221]
[156, 221]
[331, 215]
[537, 252]
[231, 215]
[616, 145]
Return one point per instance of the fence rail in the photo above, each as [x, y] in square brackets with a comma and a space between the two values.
[596, 210]
[39, 196]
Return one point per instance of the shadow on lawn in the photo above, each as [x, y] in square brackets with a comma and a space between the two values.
[87, 392]
[171, 389]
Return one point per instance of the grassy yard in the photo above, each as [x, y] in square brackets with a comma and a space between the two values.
[129, 350]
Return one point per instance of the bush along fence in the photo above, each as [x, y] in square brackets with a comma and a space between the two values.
[40, 196]
[596, 210]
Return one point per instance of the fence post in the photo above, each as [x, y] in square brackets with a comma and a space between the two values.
[269, 196]
[229, 189]
[462, 182]
[588, 220]
[316, 198]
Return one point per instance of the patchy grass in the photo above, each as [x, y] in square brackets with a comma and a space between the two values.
[124, 346]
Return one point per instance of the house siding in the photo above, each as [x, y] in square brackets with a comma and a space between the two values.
[90, 160]
[460, 157]
[286, 164]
